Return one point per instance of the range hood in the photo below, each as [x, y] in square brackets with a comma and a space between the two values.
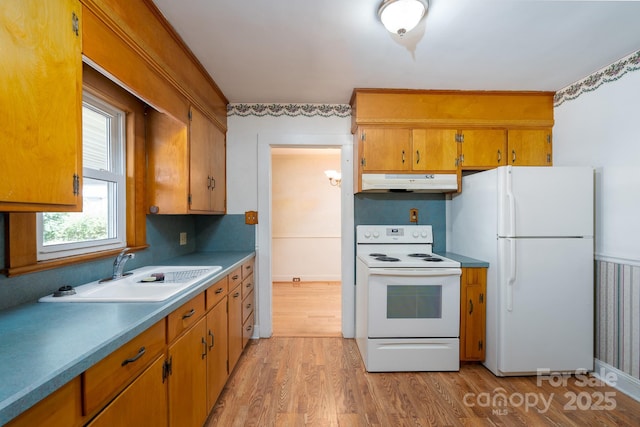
[422, 183]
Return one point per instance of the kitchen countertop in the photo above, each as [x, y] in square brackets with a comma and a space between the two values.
[465, 261]
[45, 345]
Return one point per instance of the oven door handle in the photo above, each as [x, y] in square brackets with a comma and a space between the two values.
[415, 272]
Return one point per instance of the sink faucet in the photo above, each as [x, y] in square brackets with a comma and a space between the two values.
[119, 262]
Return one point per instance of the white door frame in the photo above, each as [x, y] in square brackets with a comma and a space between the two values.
[266, 141]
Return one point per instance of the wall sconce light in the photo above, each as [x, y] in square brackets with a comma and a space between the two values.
[401, 16]
[335, 177]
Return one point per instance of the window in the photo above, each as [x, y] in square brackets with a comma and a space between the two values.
[102, 223]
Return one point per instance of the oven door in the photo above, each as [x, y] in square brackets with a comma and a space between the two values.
[414, 303]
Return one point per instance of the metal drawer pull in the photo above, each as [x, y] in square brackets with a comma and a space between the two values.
[213, 339]
[249, 327]
[236, 295]
[248, 306]
[235, 277]
[189, 314]
[470, 306]
[219, 290]
[134, 358]
[248, 285]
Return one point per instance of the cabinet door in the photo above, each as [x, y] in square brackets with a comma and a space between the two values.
[434, 150]
[41, 103]
[143, 403]
[200, 147]
[529, 147]
[483, 148]
[218, 171]
[188, 379]
[472, 313]
[235, 327]
[217, 355]
[62, 408]
[385, 149]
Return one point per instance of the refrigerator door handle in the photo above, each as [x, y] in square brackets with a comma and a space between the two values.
[512, 211]
[512, 273]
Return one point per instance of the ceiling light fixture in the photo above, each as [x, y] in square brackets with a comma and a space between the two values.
[401, 16]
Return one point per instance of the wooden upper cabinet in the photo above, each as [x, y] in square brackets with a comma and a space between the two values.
[207, 169]
[483, 148]
[41, 102]
[385, 149]
[529, 147]
[434, 150]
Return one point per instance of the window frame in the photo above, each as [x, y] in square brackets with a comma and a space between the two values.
[116, 157]
[20, 247]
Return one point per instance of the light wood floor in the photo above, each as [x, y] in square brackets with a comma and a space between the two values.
[300, 381]
[296, 379]
[307, 309]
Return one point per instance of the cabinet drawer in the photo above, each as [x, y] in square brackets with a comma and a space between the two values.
[185, 316]
[247, 268]
[247, 306]
[247, 330]
[104, 380]
[235, 278]
[247, 286]
[217, 291]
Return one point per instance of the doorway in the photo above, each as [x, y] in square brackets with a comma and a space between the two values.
[266, 143]
[305, 242]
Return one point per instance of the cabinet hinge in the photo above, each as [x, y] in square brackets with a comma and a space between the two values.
[481, 298]
[459, 137]
[76, 184]
[190, 115]
[363, 136]
[189, 199]
[363, 162]
[166, 368]
[480, 345]
[75, 24]
[548, 139]
[461, 159]
[548, 158]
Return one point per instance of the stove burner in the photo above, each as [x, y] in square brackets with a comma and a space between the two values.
[376, 254]
[419, 255]
[432, 259]
[387, 258]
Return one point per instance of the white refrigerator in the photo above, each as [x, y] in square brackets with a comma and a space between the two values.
[535, 226]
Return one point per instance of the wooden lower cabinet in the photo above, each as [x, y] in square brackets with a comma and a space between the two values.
[188, 378]
[235, 326]
[217, 351]
[473, 289]
[143, 403]
[60, 409]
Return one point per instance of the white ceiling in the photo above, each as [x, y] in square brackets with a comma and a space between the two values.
[318, 51]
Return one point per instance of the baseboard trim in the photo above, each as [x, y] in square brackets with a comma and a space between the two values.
[623, 381]
[319, 278]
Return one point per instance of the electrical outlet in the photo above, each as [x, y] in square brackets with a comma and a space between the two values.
[183, 238]
[296, 279]
[413, 215]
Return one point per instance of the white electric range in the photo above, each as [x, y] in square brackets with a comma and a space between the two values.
[407, 300]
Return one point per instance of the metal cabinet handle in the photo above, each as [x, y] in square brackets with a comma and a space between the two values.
[219, 291]
[249, 327]
[208, 182]
[248, 306]
[213, 183]
[470, 306]
[134, 358]
[204, 348]
[248, 285]
[513, 156]
[418, 156]
[236, 295]
[235, 277]
[402, 156]
[189, 314]
[213, 339]
[499, 156]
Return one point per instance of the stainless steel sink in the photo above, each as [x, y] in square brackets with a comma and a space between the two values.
[146, 284]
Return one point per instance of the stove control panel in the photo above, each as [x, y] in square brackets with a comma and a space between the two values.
[394, 234]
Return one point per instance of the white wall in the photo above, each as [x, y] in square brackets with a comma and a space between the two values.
[601, 128]
[305, 215]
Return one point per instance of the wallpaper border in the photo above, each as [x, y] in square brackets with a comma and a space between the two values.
[592, 82]
[290, 110]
